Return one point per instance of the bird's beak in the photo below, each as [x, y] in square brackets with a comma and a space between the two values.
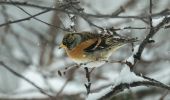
[61, 46]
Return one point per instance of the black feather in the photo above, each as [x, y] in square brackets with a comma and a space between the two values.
[95, 46]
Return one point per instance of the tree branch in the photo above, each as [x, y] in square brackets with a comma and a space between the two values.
[152, 32]
[24, 78]
[119, 88]
[24, 19]
[78, 13]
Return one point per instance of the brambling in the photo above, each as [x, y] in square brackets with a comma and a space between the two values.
[91, 50]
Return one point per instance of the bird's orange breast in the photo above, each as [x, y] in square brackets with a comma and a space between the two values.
[77, 53]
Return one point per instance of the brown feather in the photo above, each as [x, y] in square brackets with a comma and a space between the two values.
[78, 51]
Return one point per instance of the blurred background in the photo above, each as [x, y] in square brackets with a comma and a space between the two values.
[30, 35]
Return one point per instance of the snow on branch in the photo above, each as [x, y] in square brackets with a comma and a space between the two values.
[152, 32]
[79, 12]
[27, 4]
[126, 80]
[156, 25]
[119, 88]
[127, 76]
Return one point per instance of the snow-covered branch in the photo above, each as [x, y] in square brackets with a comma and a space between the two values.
[126, 79]
[121, 87]
[153, 31]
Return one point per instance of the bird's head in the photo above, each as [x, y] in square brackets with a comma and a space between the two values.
[71, 40]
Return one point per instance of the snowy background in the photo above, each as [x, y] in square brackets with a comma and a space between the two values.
[31, 49]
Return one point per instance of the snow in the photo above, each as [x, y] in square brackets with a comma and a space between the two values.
[74, 88]
[26, 95]
[109, 75]
[71, 15]
[58, 52]
[72, 24]
[97, 95]
[156, 21]
[136, 48]
[146, 55]
[55, 83]
[131, 58]
[33, 76]
[93, 64]
[127, 76]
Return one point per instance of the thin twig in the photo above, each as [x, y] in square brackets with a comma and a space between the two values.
[24, 78]
[78, 13]
[150, 81]
[152, 32]
[88, 85]
[150, 17]
[24, 19]
[37, 18]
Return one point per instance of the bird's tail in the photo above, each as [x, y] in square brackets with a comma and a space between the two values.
[126, 40]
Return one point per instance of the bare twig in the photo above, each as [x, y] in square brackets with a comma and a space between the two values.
[22, 47]
[24, 19]
[64, 9]
[24, 78]
[138, 28]
[150, 81]
[91, 23]
[88, 85]
[77, 13]
[57, 27]
[152, 32]
[150, 17]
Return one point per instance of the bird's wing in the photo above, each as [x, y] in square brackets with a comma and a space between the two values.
[88, 35]
[100, 44]
[107, 41]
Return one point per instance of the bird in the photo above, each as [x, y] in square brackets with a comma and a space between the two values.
[90, 49]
